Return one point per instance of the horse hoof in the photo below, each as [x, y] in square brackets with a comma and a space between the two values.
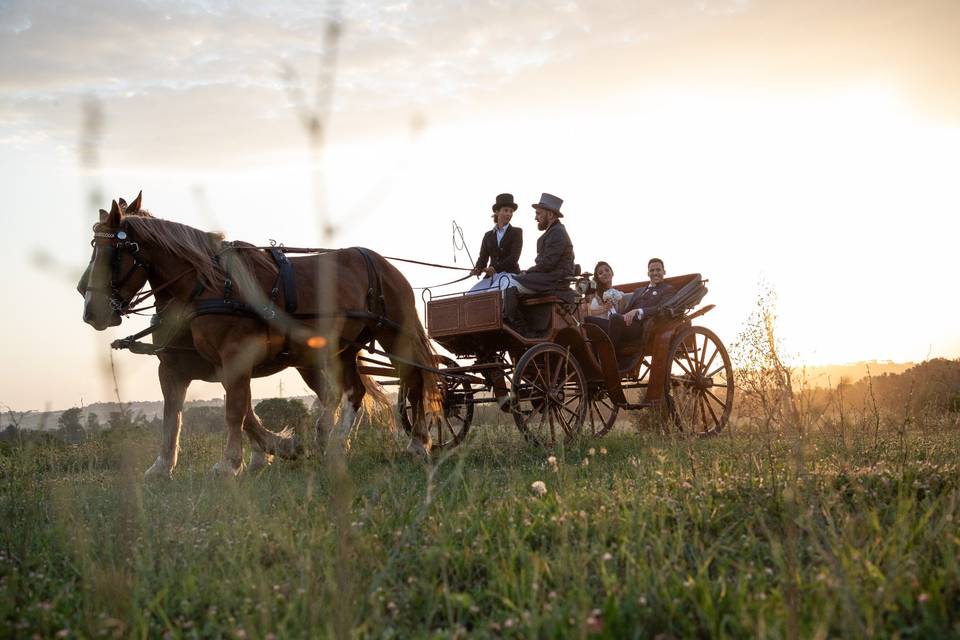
[258, 462]
[288, 445]
[159, 470]
[419, 450]
[226, 469]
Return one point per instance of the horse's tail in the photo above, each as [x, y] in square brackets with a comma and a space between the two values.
[424, 352]
[376, 397]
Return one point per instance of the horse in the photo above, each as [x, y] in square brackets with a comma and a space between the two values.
[237, 332]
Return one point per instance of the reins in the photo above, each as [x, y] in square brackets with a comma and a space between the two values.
[318, 250]
[141, 297]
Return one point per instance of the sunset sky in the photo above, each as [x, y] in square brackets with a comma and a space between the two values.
[813, 146]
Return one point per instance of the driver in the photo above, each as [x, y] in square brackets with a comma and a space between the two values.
[500, 247]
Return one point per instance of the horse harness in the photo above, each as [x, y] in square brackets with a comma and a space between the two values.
[117, 243]
[228, 305]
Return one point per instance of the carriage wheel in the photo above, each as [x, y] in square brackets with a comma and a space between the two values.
[602, 413]
[457, 409]
[549, 395]
[700, 390]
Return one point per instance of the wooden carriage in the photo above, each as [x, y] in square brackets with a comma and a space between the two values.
[562, 374]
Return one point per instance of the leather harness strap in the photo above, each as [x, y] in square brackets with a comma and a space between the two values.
[227, 305]
[286, 280]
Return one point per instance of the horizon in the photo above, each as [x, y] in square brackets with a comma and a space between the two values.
[814, 383]
[806, 149]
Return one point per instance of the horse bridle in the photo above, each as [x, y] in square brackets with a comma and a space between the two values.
[116, 244]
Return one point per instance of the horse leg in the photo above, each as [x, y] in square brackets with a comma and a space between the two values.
[235, 409]
[351, 397]
[266, 443]
[259, 459]
[174, 388]
[315, 379]
[415, 383]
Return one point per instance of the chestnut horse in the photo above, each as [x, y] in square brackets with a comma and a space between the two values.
[193, 270]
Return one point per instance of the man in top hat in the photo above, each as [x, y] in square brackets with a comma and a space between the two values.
[554, 264]
[501, 245]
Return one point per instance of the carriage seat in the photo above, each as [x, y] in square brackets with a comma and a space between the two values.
[561, 297]
[690, 290]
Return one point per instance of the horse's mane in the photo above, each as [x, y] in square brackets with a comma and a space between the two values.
[199, 248]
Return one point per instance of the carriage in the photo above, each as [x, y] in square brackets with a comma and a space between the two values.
[561, 377]
[553, 378]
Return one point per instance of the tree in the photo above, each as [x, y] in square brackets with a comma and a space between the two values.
[93, 423]
[278, 413]
[10, 434]
[70, 428]
[203, 419]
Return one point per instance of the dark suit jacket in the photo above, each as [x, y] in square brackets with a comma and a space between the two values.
[554, 262]
[505, 257]
[650, 299]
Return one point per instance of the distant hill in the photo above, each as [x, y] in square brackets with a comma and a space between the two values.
[47, 420]
[931, 385]
[832, 374]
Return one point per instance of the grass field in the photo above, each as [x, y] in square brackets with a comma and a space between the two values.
[851, 535]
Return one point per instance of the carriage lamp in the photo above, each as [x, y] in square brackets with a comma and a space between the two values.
[584, 285]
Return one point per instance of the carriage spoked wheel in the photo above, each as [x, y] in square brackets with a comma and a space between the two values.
[457, 409]
[549, 395]
[700, 389]
[602, 413]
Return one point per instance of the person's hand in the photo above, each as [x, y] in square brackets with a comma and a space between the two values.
[474, 271]
[630, 316]
[489, 271]
[609, 306]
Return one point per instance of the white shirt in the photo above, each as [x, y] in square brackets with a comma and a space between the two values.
[500, 232]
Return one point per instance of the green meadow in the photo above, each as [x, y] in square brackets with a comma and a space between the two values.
[847, 532]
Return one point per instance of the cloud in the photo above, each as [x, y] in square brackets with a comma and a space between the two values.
[202, 79]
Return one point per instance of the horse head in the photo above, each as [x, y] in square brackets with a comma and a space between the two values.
[118, 268]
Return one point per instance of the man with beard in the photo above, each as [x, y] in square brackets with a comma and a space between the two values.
[553, 266]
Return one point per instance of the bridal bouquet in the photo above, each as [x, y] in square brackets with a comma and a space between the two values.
[613, 296]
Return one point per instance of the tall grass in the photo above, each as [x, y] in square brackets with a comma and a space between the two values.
[648, 535]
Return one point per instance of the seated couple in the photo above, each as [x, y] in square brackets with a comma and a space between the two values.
[621, 316]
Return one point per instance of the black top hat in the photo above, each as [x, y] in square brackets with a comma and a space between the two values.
[550, 202]
[504, 200]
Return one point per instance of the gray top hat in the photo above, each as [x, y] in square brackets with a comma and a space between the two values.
[551, 202]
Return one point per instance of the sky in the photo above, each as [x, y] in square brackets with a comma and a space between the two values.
[807, 147]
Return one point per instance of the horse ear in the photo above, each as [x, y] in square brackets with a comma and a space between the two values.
[122, 203]
[134, 206]
[115, 216]
[103, 215]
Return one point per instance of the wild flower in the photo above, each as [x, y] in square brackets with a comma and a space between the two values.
[539, 488]
[594, 622]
